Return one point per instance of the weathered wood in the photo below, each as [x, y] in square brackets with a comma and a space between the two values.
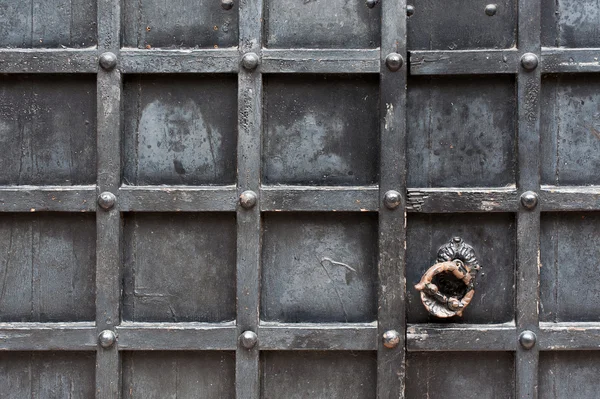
[464, 62]
[320, 61]
[176, 336]
[461, 337]
[321, 336]
[566, 375]
[48, 61]
[179, 61]
[568, 60]
[176, 199]
[451, 200]
[72, 336]
[47, 198]
[307, 198]
[575, 198]
[569, 336]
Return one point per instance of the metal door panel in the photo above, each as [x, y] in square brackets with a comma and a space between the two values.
[570, 23]
[566, 375]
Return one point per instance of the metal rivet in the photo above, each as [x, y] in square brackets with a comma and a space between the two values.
[107, 338]
[529, 199]
[527, 339]
[248, 199]
[391, 339]
[410, 10]
[227, 4]
[107, 200]
[372, 3]
[250, 61]
[392, 199]
[529, 61]
[491, 9]
[248, 339]
[108, 61]
[394, 61]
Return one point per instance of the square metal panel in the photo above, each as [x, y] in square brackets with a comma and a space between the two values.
[565, 375]
[570, 23]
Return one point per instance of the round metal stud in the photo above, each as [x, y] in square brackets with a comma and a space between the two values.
[394, 61]
[410, 10]
[250, 61]
[372, 3]
[248, 199]
[227, 4]
[391, 339]
[248, 339]
[392, 199]
[491, 9]
[527, 339]
[107, 200]
[529, 61]
[108, 61]
[529, 199]
[107, 338]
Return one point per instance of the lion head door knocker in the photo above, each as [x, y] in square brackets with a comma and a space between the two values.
[448, 286]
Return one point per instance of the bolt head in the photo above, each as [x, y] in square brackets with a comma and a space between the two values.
[491, 9]
[529, 61]
[227, 4]
[250, 61]
[107, 200]
[372, 3]
[108, 61]
[392, 199]
[107, 338]
[527, 339]
[394, 61]
[248, 199]
[391, 339]
[410, 10]
[248, 339]
[529, 199]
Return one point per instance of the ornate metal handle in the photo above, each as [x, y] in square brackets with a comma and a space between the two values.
[448, 286]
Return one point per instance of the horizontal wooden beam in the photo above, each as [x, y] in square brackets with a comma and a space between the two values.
[48, 61]
[179, 61]
[47, 198]
[351, 336]
[177, 336]
[320, 61]
[300, 198]
[177, 199]
[584, 198]
[568, 60]
[464, 62]
[47, 336]
[461, 337]
[569, 336]
[454, 200]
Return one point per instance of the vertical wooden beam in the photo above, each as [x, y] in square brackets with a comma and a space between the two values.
[392, 224]
[528, 218]
[108, 222]
[249, 218]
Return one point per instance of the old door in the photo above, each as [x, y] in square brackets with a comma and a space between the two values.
[236, 198]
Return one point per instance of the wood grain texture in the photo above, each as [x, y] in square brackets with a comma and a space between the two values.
[565, 375]
[47, 130]
[179, 267]
[334, 375]
[332, 141]
[461, 132]
[178, 130]
[47, 267]
[318, 336]
[461, 337]
[47, 375]
[157, 375]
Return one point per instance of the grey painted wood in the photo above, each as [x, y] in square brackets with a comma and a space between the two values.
[334, 375]
[570, 23]
[47, 336]
[179, 61]
[461, 337]
[155, 375]
[47, 264]
[571, 141]
[569, 247]
[451, 200]
[320, 61]
[318, 24]
[177, 198]
[455, 25]
[179, 267]
[179, 23]
[48, 61]
[569, 336]
[570, 198]
[463, 62]
[47, 130]
[566, 60]
[333, 141]
[48, 23]
[319, 268]
[307, 198]
[460, 375]
[565, 375]
[47, 198]
[66, 375]
[494, 238]
[178, 130]
[461, 132]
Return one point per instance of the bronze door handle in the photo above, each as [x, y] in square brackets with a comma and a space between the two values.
[447, 287]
